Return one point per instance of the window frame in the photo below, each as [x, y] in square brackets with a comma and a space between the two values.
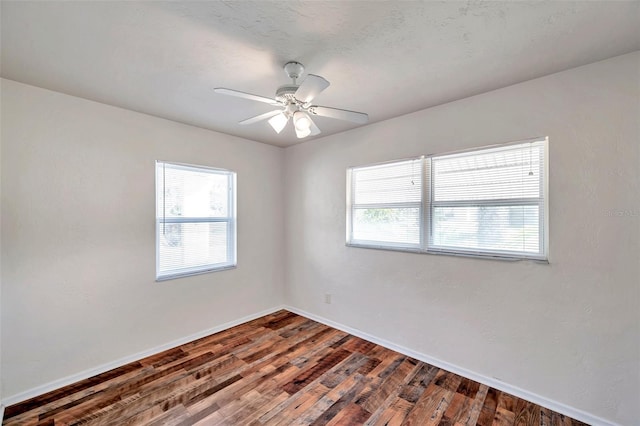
[427, 207]
[230, 219]
[409, 204]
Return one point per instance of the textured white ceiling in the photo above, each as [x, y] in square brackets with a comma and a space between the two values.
[383, 58]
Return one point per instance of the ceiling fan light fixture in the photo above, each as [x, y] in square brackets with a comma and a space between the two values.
[295, 100]
[302, 133]
[278, 122]
[301, 121]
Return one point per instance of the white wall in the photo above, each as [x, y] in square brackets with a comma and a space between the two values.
[1, 380]
[568, 331]
[78, 242]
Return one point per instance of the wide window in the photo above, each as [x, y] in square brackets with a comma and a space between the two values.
[195, 220]
[484, 202]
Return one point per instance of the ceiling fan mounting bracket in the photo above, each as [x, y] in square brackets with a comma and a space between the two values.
[293, 70]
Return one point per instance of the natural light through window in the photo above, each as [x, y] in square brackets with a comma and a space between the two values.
[484, 202]
[195, 220]
[386, 206]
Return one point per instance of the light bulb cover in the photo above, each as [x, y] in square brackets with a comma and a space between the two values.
[301, 121]
[302, 133]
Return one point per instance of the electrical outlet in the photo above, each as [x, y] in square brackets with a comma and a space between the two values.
[327, 298]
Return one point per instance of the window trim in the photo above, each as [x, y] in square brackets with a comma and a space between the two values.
[427, 205]
[231, 219]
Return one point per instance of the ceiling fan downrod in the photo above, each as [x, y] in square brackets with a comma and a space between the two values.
[286, 92]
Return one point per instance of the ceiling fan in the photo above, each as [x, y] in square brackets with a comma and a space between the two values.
[295, 102]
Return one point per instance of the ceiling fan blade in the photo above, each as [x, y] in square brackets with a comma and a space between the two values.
[238, 94]
[340, 114]
[261, 117]
[310, 88]
[314, 129]
[278, 121]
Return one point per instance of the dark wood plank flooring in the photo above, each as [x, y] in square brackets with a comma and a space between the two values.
[281, 369]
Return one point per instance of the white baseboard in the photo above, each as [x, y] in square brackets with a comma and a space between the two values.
[56, 384]
[505, 387]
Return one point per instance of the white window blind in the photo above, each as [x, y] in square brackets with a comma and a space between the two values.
[489, 201]
[485, 202]
[386, 204]
[195, 220]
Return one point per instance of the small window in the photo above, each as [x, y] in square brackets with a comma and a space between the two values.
[195, 220]
[485, 202]
[386, 206]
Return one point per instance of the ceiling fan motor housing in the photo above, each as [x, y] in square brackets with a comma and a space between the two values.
[285, 94]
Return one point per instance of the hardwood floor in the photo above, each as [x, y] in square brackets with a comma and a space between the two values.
[281, 369]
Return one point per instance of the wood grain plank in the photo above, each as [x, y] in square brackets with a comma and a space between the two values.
[488, 411]
[305, 401]
[311, 415]
[394, 391]
[526, 414]
[471, 416]
[389, 388]
[339, 405]
[431, 406]
[503, 417]
[309, 375]
[394, 414]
